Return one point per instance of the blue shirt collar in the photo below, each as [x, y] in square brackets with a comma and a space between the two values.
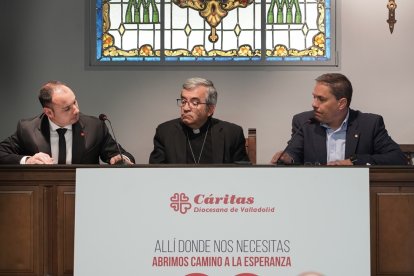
[344, 124]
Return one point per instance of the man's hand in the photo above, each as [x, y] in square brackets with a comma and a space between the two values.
[40, 158]
[346, 162]
[285, 158]
[118, 158]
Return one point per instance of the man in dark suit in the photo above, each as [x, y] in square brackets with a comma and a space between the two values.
[84, 139]
[196, 137]
[334, 134]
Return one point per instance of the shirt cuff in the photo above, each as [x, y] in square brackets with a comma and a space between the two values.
[23, 160]
[126, 158]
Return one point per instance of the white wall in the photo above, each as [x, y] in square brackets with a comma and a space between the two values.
[45, 39]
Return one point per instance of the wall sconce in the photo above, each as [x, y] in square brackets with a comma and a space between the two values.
[391, 14]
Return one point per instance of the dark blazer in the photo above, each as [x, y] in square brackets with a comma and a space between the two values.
[170, 146]
[91, 141]
[366, 137]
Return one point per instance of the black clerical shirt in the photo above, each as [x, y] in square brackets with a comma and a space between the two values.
[196, 152]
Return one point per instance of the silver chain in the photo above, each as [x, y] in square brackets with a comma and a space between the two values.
[202, 147]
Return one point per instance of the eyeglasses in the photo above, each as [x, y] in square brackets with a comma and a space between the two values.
[193, 103]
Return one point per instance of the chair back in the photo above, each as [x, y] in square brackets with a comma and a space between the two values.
[251, 145]
[408, 150]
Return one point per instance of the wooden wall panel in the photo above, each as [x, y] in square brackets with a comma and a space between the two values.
[392, 221]
[19, 230]
[395, 226]
[66, 229]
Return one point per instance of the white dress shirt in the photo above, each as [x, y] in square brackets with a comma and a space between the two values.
[335, 141]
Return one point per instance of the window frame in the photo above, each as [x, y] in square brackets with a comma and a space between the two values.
[93, 61]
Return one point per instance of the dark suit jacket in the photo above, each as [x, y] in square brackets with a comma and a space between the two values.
[170, 140]
[91, 141]
[366, 137]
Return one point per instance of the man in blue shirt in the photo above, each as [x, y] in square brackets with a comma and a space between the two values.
[335, 134]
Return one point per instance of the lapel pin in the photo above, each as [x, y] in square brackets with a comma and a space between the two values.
[356, 135]
[82, 133]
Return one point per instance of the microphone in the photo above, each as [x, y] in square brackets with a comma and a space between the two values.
[308, 121]
[104, 118]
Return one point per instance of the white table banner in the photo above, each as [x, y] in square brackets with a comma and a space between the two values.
[222, 221]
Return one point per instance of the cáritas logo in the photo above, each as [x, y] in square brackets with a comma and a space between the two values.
[180, 202]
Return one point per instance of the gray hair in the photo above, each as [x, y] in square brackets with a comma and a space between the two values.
[192, 83]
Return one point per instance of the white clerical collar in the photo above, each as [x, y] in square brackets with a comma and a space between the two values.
[196, 130]
[54, 126]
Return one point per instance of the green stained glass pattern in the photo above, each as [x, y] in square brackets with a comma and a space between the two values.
[295, 30]
[284, 12]
[131, 30]
[136, 8]
[247, 32]
[213, 31]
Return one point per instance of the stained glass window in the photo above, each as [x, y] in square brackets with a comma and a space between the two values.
[232, 32]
